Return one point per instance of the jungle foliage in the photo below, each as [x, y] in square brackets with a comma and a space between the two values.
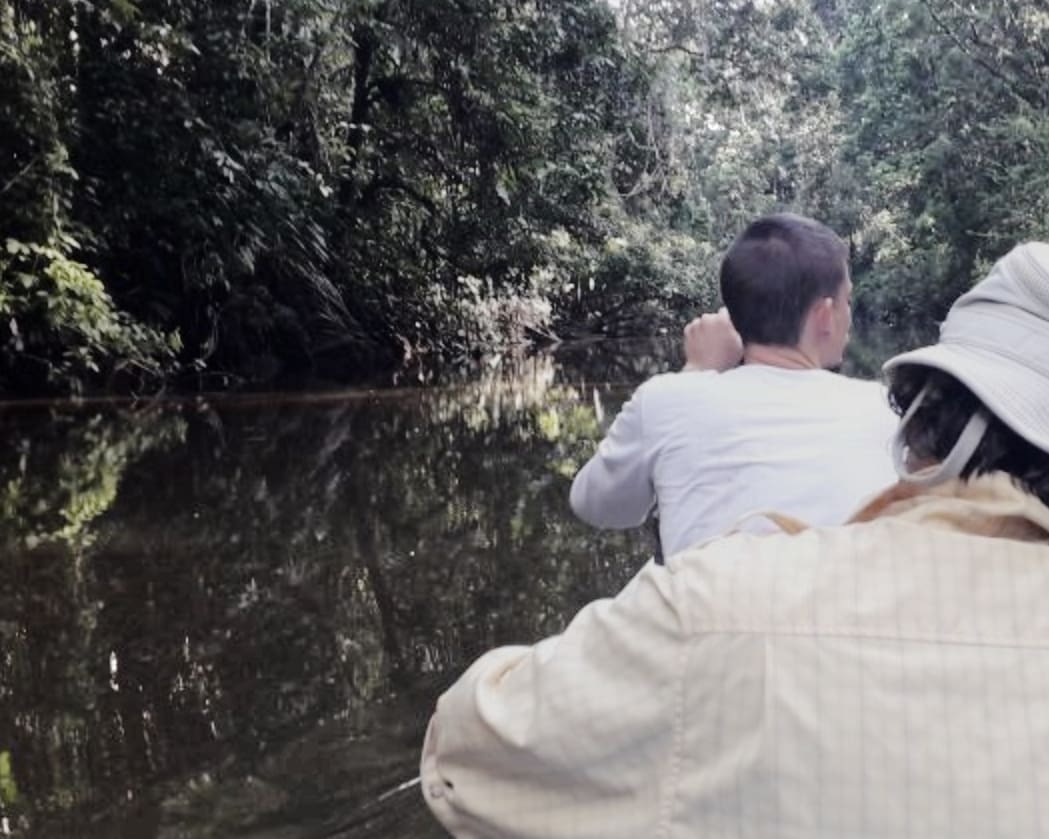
[209, 194]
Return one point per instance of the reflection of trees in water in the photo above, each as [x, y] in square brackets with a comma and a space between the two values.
[260, 569]
[55, 480]
[59, 472]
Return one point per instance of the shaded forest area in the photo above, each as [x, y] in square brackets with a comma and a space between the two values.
[208, 194]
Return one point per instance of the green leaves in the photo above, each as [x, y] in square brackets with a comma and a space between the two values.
[59, 314]
[124, 11]
[298, 187]
[8, 786]
[942, 142]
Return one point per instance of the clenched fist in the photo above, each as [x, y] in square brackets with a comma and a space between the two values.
[712, 343]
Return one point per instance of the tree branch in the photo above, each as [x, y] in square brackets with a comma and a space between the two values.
[678, 48]
[19, 175]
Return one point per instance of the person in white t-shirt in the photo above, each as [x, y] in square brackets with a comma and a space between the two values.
[756, 421]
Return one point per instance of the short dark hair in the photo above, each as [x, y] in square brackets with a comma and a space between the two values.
[945, 409]
[773, 273]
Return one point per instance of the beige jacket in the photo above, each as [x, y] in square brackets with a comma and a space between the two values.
[887, 678]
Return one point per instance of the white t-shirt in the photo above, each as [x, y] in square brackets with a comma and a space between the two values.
[711, 448]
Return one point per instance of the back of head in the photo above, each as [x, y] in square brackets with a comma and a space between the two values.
[978, 400]
[775, 271]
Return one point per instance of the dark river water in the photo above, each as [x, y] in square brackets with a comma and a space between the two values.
[231, 616]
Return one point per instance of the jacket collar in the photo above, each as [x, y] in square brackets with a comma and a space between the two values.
[988, 505]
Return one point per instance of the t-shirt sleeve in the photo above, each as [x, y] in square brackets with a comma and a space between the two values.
[614, 488]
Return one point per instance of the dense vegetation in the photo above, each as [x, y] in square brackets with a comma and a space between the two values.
[213, 193]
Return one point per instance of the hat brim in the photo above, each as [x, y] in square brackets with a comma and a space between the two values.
[1013, 393]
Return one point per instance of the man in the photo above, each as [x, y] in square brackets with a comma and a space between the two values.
[720, 440]
[881, 679]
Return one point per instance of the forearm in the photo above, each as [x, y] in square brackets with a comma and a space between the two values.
[614, 488]
[605, 497]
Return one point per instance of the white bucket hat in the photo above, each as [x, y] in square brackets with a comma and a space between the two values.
[995, 341]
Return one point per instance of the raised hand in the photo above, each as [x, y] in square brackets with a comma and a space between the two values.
[712, 342]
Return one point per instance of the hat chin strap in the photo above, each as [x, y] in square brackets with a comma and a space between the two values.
[952, 465]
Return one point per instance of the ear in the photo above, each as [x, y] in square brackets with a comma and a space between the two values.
[822, 315]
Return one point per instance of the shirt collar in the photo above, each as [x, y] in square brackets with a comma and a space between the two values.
[988, 505]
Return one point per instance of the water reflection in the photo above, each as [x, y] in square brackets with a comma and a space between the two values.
[233, 616]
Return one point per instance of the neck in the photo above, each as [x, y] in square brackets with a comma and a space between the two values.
[787, 358]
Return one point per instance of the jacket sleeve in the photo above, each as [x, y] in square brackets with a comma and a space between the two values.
[573, 737]
[614, 488]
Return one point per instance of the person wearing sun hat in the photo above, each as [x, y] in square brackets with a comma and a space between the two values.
[887, 677]
[987, 376]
